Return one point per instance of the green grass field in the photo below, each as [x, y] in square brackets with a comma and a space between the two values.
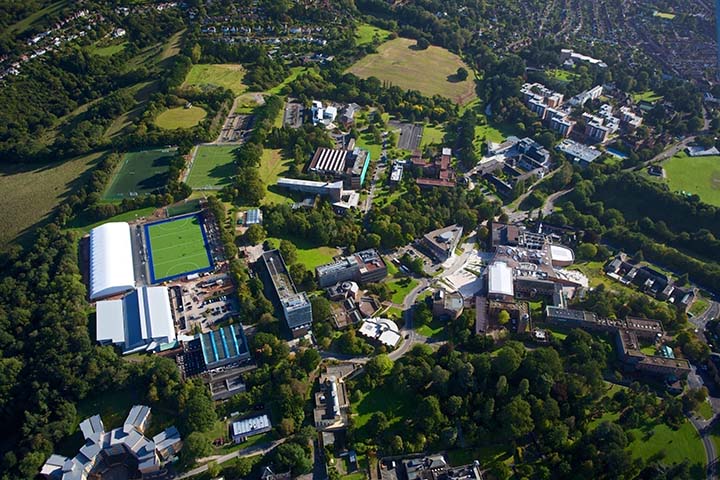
[272, 166]
[430, 71]
[698, 175]
[213, 167]
[108, 50]
[677, 445]
[82, 225]
[647, 96]
[664, 15]
[177, 247]
[308, 254]
[367, 33]
[180, 117]
[432, 134]
[294, 73]
[401, 287]
[31, 192]
[140, 173]
[382, 399]
[562, 75]
[228, 76]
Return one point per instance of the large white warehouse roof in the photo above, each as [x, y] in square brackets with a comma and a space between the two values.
[141, 320]
[111, 261]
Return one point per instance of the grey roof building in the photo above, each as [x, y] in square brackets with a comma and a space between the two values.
[121, 448]
[295, 306]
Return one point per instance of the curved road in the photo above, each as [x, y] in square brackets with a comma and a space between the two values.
[245, 452]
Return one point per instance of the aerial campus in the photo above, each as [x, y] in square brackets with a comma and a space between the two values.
[350, 240]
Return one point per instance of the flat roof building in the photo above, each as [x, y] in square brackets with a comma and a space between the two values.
[441, 243]
[142, 320]
[362, 267]
[243, 429]
[349, 165]
[224, 346]
[579, 153]
[295, 306]
[111, 260]
[500, 281]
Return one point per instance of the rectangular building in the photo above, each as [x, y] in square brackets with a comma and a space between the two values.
[294, 306]
[348, 165]
[224, 346]
[243, 429]
[366, 266]
[441, 243]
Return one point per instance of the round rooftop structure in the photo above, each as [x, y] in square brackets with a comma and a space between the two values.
[561, 256]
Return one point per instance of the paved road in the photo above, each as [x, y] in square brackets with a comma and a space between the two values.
[245, 452]
[704, 427]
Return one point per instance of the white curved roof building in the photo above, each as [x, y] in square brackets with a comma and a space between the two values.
[111, 260]
[561, 256]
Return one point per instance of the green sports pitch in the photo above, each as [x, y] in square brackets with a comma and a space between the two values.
[140, 173]
[177, 247]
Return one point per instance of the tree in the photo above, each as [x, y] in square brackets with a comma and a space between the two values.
[255, 234]
[199, 413]
[506, 361]
[503, 317]
[213, 469]
[292, 456]
[461, 74]
[195, 446]
[288, 250]
[309, 359]
[516, 418]
[422, 44]
[587, 251]
[321, 309]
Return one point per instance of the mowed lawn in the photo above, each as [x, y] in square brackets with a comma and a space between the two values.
[177, 247]
[367, 33]
[308, 254]
[382, 399]
[140, 173]
[224, 75]
[653, 439]
[698, 175]
[180, 117]
[31, 192]
[430, 71]
[213, 167]
[272, 166]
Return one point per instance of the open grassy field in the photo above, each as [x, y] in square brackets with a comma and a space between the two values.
[400, 286]
[653, 439]
[180, 117]
[177, 247]
[30, 192]
[213, 166]
[108, 50]
[383, 399]
[308, 254]
[698, 175]
[562, 75]
[140, 173]
[367, 33]
[82, 225]
[272, 166]
[432, 134]
[664, 15]
[430, 71]
[294, 73]
[647, 96]
[228, 76]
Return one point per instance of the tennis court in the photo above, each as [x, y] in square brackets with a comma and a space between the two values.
[177, 247]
